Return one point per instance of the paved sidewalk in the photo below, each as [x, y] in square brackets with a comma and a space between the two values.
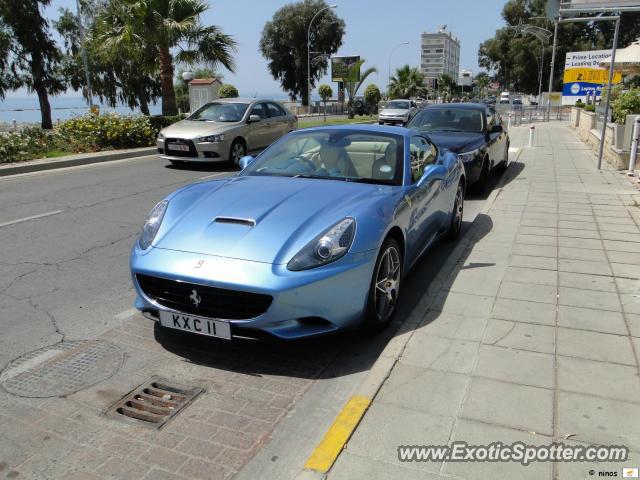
[535, 335]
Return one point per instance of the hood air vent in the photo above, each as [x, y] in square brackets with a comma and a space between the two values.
[249, 222]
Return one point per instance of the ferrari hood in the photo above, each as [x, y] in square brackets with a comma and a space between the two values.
[262, 219]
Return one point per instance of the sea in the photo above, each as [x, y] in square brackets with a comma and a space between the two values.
[27, 109]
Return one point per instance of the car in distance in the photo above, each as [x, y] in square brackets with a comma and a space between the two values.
[314, 235]
[516, 104]
[474, 131]
[225, 130]
[397, 112]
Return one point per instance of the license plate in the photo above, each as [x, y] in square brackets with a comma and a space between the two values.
[199, 325]
[175, 146]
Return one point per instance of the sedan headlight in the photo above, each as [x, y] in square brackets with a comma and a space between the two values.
[470, 155]
[160, 136]
[152, 224]
[326, 248]
[212, 138]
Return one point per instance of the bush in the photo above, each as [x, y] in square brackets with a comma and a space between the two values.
[104, 132]
[372, 94]
[589, 108]
[580, 104]
[325, 92]
[228, 91]
[627, 103]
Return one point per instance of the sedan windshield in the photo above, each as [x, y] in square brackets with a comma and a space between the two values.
[366, 157]
[448, 120]
[219, 112]
[399, 105]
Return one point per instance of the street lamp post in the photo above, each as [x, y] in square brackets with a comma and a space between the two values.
[390, 55]
[309, 51]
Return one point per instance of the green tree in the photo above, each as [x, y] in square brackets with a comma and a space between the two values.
[372, 94]
[482, 81]
[446, 85]
[325, 93]
[515, 59]
[31, 56]
[627, 103]
[228, 91]
[354, 80]
[115, 78]
[407, 82]
[284, 44]
[165, 26]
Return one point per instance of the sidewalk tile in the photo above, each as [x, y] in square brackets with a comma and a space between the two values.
[620, 228]
[574, 242]
[523, 336]
[515, 366]
[385, 427]
[424, 390]
[576, 253]
[534, 262]
[528, 292]
[530, 275]
[577, 297]
[537, 239]
[538, 231]
[572, 232]
[449, 325]
[634, 325]
[476, 281]
[354, 467]
[625, 270]
[599, 378]
[535, 250]
[440, 353]
[565, 224]
[199, 469]
[587, 282]
[595, 346]
[462, 304]
[584, 266]
[598, 420]
[523, 311]
[510, 405]
[589, 319]
[475, 433]
[630, 303]
[621, 246]
[625, 257]
[620, 236]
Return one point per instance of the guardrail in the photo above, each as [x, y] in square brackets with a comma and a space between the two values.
[531, 114]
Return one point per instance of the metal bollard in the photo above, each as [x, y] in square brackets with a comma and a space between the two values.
[509, 123]
[634, 146]
[532, 129]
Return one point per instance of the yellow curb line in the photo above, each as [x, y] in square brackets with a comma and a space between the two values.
[327, 451]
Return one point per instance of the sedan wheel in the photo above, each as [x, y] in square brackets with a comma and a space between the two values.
[385, 286]
[237, 152]
[457, 214]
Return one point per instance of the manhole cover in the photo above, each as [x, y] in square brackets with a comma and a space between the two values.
[61, 369]
[154, 403]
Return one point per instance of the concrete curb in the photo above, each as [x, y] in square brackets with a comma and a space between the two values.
[74, 160]
[382, 367]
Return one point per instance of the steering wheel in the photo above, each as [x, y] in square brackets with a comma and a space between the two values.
[306, 161]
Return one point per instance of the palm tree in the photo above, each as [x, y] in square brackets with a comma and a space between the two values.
[407, 82]
[354, 80]
[482, 82]
[446, 84]
[165, 25]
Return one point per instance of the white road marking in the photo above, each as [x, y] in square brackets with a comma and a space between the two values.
[514, 149]
[213, 175]
[127, 314]
[32, 217]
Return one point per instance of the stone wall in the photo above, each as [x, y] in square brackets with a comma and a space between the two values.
[585, 122]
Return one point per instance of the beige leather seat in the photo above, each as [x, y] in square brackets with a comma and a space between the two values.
[379, 171]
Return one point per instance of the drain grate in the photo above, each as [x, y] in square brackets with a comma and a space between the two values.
[154, 403]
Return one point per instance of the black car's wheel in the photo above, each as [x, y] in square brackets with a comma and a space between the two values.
[482, 184]
[456, 214]
[504, 164]
[380, 123]
[237, 151]
[385, 286]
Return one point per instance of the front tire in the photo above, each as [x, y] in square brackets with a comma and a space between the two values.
[481, 186]
[456, 215]
[385, 286]
[237, 151]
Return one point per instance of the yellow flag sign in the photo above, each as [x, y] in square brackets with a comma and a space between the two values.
[590, 75]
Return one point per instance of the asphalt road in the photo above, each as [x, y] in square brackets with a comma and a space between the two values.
[65, 239]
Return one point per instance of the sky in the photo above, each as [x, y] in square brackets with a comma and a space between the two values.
[373, 29]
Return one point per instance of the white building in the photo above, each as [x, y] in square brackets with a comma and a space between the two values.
[465, 78]
[201, 91]
[440, 54]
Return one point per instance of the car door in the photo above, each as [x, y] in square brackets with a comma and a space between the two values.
[278, 125]
[499, 138]
[492, 138]
[258, 132]
[423, 195]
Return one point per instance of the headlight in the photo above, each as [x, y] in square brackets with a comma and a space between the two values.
[160, 136]
[212, 138]
[468, 156]
[152, 224]
[326, 248]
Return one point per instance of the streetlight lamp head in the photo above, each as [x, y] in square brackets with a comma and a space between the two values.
[187, 76]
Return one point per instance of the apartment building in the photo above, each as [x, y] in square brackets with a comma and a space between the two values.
[440, 54]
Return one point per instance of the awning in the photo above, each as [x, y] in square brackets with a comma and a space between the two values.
[627, 59]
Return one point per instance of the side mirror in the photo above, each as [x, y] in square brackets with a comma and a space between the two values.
[496, 129]
[245, 161]
[432, 173]
[254, 118]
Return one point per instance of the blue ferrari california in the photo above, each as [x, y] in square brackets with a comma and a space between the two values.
[313, 235]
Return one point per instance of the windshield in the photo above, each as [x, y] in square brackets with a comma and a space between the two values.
[399, 105]
[366, 157]
[219, 112]
[448, 120]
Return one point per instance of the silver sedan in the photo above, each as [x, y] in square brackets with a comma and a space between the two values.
[225, 130]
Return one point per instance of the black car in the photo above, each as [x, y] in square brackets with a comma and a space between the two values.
[472, 130]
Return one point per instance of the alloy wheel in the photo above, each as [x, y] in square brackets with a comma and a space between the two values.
[387, 283]
[237, 152]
